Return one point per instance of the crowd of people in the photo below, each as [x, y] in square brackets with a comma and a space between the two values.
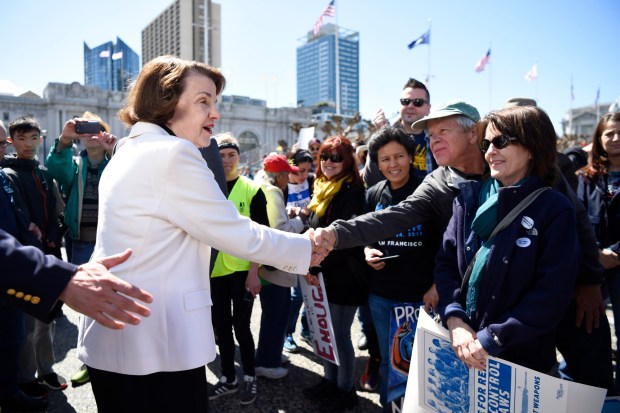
[479, 220]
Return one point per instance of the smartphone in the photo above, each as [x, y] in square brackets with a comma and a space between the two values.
[91, 127]
[388, 257]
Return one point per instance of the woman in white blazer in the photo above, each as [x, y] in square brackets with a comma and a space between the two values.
[158, 197]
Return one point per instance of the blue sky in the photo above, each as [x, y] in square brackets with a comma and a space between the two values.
[42, 42]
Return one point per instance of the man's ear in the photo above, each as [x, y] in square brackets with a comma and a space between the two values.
[9, 139]
[473, 135]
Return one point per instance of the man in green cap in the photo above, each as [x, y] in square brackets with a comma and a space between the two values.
[584, 335]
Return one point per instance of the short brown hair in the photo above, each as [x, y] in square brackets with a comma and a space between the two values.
[154, 94]
[533, 130]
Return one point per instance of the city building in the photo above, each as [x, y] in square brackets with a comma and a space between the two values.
[110, 66]
[258, 128]
[580, 122]
[189, 29]
[328, 71]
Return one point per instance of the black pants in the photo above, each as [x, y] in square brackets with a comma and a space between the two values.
[224, 290]
[165, 392]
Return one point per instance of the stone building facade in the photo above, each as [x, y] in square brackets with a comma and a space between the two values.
[258, 127]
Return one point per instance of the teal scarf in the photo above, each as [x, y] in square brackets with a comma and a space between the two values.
[484, 223]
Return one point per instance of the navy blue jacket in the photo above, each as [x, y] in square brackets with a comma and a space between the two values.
[31, 280]
[604, 216]
[529, 276]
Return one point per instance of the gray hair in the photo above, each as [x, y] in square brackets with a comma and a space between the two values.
[465, 122]
[271, 177]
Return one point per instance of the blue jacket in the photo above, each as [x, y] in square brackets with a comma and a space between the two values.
[529, 276]
[35, 281]
[604, 216]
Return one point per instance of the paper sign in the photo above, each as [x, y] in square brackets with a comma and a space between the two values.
[305, 134]
[444, 384]
[320, 320]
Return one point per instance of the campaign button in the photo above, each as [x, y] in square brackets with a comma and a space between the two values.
[523, 242]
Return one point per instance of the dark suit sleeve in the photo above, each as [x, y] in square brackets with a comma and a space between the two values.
[31, 280]
[211, 155]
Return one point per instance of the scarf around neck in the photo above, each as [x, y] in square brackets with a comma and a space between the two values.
[324, 192]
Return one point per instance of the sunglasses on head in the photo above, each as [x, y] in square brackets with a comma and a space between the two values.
[416, 102]
[499, 142]
[334, 157]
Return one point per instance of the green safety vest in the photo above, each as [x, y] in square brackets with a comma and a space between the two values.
[241, 196]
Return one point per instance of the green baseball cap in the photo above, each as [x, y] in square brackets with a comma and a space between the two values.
[449, 108]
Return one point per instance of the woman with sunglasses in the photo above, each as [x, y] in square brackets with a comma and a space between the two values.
[339, 194]
[518, 286]
[599, 190]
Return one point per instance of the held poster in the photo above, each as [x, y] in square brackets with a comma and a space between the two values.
[442, 383]
[319, 320]
[403, 323]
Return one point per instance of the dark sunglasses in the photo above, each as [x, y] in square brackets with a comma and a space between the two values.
[334, 157]
[416, 102]
[4, 144]
[499, 142]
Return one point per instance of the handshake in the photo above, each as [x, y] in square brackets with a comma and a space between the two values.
[323, 241]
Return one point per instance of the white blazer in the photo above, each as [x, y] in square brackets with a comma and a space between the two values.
[158, 197]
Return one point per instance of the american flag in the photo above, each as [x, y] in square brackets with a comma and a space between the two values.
[483, 62]
[329, 11]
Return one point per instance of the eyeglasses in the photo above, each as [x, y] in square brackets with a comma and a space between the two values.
[4, 144]
[416, 102]
[499, 142]
[334, 157]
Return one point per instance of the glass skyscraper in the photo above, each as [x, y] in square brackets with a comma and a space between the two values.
[316, 70]
[110, 66]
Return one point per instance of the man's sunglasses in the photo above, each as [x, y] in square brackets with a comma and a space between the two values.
[416, 102]
[4, 144]
[499, 142]
[334, 157]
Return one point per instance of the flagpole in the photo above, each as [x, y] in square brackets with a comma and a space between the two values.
[536, 90]
[428, 76]
[490, 84]
[570, 111]
[337, 62]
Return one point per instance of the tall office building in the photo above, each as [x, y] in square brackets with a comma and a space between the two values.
[189, 29]
[110, 66]
[316, 71]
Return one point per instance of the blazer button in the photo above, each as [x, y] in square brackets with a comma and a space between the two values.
[19, 294]
[35, 300]
[10, 291]
[505, 260]
[27, 297]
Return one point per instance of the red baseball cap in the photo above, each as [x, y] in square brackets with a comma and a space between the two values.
[278, 163]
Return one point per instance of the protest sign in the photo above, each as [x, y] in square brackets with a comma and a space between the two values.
[319, 320]
[442, 383]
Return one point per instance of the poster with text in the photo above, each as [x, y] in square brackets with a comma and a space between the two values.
[442, 383]
[319, 320]
[403, 323]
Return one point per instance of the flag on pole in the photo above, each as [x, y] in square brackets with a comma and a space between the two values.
[532, 74]
[424, 39]
[117, 55]
[329, 11]
[104, 53]
[483, 62]
[598, 95]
